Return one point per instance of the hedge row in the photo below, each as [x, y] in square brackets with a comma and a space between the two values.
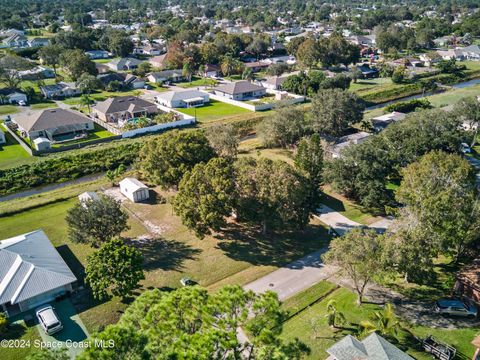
[409, 106]
[67, 167]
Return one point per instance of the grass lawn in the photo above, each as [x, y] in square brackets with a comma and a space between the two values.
[19, 330]
[197, 81]
[8, 109]
[12, 154]
[300, 327]
[237, 256]
[346, 207]
[43, 105]
[368, 84]
[98, 133]
[214, 110]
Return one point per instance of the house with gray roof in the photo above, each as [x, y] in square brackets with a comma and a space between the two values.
[32, 272]
[240, 90]
[124, 64]
[166, 76]
[121, 108]
[182, 99]
[54, 124]
[60, 90]
[373, 347]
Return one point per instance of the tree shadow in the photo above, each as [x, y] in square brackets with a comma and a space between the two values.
[166, 254]
[248, 244]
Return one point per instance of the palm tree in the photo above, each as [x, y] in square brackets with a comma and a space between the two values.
[85, 100]
[334, 316]
[385, 322]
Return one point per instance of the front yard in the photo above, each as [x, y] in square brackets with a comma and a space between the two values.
[214, 110]
[324, 336]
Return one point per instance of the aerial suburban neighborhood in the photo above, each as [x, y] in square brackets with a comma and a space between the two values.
[248, 180]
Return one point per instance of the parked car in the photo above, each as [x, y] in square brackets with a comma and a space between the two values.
[22, 103]
[187, 282]
[48, 320]
[464, 148]
[455, 307]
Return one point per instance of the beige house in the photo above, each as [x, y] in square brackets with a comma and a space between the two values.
[122, 108]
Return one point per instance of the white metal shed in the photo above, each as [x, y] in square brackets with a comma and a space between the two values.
[134, 190]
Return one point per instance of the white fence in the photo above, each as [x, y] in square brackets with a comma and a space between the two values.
[159, 127]
[292, 99]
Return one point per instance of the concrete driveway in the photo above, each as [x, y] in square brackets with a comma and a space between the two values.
[73, 332]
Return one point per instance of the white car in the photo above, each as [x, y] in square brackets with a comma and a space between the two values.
[22, 103]
[48, 320]
[464, 148]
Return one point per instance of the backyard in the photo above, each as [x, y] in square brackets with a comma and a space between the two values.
[214, 110]
[324, 336]
[98, 133]
[11, 153]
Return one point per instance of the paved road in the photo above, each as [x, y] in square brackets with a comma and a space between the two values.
[294, 277]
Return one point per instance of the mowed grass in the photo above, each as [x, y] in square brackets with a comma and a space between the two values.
[214, 110]
[346, 207]
[8, 109]
[98, 133]
[368, 84]
[237, 256]
[21, 331]
[11, 153]
[197, 81]
[300, 327]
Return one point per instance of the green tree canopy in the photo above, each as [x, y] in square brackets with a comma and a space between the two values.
[96, 221]
[114, 270]
[166, 158]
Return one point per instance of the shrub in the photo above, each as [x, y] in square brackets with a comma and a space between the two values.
[409, 106]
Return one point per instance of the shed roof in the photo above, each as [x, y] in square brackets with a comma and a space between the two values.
[133, 184]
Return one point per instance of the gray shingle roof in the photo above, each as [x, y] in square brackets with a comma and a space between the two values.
[121, 103]
[238, 87]
[374, 347]
[181, 95]
[50, 119]
[29, 266]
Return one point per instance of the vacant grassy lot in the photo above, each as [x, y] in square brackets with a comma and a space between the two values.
[237, 256]
[301, 326]
[214, 110]
[11, 153]
[368, 84]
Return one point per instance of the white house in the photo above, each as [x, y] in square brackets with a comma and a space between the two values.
[12, 96]
[32, 272]
[182, 99]
[60, 90]
[134, 190]
[381, 122]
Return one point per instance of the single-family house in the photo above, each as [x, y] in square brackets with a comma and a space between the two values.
[466, 282]
[124, 64]
[456, 54]
[381, 122]
[347, 140]
[60, 90]
[159, 61]
[256, 66]
[274, 82]
[3, 139]
[373, 347]
[126, 80]
[123, 108]
[367, 71]
[363, 40]
[38, 42]
[32, 272]
[166, 76]
[148, 49]
[182, 99]
[134, 190]
[97, 54]
[12, 96]
[38, 72]
[15, 40]
[444, 40]
[471, 52]
[240, 90]
[211, 71]
[56, 124]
